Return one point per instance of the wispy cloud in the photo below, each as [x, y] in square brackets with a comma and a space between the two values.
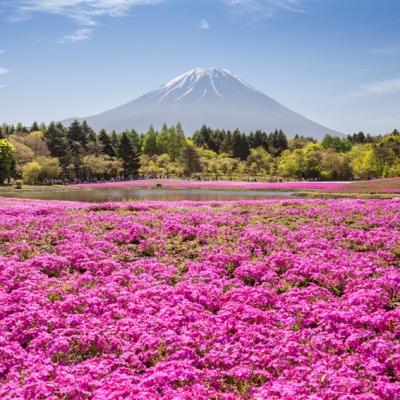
[84, 12]
[387, 86]
[204, 24]
[4, 71]
[265, 8]
[78, 36]
[2, 51]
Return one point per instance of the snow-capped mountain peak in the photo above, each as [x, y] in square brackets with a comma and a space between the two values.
[211, 96]
[201, 84]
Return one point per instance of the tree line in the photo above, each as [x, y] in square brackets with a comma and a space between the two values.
[54, 153]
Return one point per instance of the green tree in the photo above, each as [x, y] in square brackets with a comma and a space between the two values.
[260, 159]
[278, 142]
[335, 166]
[49, 168]
[129, 155]
[387, 153]
[150, 146]
[240, 145]
[56, 139]
[190, 158]
[336, 143]
[31, 172]
[291, 164]
[170, 141]
[35, 141]
[312, 161]
[77, 141]
[114, 141]
[7, 159]
[102, 166]
[105, 144]
[35, 127]
[22, 154]
[363, 162]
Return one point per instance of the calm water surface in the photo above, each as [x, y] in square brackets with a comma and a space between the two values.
[122, 194]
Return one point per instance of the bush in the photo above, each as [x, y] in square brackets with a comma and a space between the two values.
[18, 184]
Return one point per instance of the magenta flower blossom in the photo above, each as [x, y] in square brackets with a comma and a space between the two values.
[274, 299]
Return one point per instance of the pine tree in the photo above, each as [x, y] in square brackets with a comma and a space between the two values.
[150, 147]
[201, 137]
[88, 136]
[245, 148]
[240, 145]
[114, 141]
[105, 144]
[129, 155]
[76, 141]
[76, 133]
[56, 140]
[35, 127]
[190, 159]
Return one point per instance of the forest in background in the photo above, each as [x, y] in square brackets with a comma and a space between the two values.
[48, 154]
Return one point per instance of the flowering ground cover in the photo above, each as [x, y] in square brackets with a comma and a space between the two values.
[186, 184]
[275, 299]
[386, 185]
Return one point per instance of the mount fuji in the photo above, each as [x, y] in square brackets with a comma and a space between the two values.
[210, 96]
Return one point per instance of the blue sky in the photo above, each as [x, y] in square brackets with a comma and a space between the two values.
[334, 61]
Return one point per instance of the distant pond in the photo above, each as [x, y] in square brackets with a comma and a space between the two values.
[126, 194]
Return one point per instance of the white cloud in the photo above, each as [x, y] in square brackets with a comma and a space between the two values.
[265, 8]
[204, 24]
[83, 12]
[3, 86]
[4, 71]
[78, 36]
[387, 86]
[2, 51]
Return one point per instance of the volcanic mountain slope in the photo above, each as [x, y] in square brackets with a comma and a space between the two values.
[210, 96]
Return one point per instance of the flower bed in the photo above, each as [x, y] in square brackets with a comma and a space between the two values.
[276, 299]
[183, 184]
[384, 185]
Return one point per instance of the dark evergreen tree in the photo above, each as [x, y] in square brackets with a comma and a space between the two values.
[75, 133]
[277, 142]
[129, 155]
[240, 145]
[201, 138]
[56, 139]
[190, 159]
[105, 144]
[227, 143]
[35, 127]
[88, 136]
[114, 140]
[76, 141]
[20, 128]
[149, 146]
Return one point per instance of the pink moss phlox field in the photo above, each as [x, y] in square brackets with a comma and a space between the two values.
[275, 299]
[182, 184]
